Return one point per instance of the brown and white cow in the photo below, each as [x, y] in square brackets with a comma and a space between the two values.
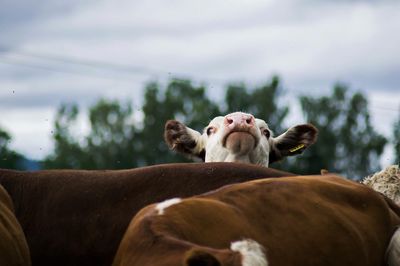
[14, 249]
[300, 220]
[77, 217]
[238, 137]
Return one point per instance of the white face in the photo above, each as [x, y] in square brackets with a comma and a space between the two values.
[238, 137]
[246, 142]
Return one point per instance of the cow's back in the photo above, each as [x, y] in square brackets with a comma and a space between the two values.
[75, 217]
[304, 220]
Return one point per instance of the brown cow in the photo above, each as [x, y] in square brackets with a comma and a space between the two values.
[239, 137]
[79, 217]
[301, 220]
[14, 250]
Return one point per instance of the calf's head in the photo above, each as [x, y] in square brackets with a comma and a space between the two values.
[238, 137]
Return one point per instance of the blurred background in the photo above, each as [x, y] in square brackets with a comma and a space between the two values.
[90, 84]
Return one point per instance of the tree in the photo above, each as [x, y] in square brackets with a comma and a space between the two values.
[8, 158]
[108, 145]
[116, 141]
[347, 143]
[67, 151]
[111, 142]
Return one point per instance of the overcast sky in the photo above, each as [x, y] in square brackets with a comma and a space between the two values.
[69, 51]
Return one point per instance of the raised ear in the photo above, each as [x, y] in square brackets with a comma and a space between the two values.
[294, 141]
[183, 139]
[197, 257]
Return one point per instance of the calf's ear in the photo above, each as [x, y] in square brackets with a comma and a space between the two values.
[294, 141]
[183, 139]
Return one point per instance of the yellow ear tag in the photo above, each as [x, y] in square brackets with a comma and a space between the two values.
[298, 147]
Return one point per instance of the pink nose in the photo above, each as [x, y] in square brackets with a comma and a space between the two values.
[239, 120]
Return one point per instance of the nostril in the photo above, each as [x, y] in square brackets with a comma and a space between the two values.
[229, 120]
[248, 120]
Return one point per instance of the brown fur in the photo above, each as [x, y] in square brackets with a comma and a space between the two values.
[177, 137]
[306, 133]
[14, 250]
[73, 217]
[301, 220]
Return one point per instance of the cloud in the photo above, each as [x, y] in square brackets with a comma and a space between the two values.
[18, 18]
[56, 89]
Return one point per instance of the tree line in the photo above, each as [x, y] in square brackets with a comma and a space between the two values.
[120, 136]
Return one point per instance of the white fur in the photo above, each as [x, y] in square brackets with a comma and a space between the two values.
[215, 152]
[165, 204]
[252, 252]
[393, 251]
[198, 138]
[387, 182]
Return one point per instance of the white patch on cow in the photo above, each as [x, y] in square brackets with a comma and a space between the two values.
[165, 204]
[215, 152]
[387, 182]
[393, 251]
[196, 136]
[252, 252]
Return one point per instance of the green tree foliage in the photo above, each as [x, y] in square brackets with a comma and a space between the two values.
[114, 142]
[108, 145]
[67, 151]
[8, 158]
[347, 143]
[112, 135]
[396, 140]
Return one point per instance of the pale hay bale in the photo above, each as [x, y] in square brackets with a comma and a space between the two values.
[386, 181]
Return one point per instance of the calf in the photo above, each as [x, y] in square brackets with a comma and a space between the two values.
[238, 137]
[78, 218]
[301, 220]
[13, 247]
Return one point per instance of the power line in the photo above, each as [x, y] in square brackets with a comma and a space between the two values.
[114, 67]
[39, 67]
[102, 65]
[4, 60]
[36, 66]
[89, 63]
[57, 69]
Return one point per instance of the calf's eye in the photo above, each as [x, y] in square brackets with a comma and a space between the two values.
[210, 130]
[266, 133]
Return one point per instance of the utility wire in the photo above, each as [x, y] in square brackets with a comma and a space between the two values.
[102, 65]
[114, 67]
[89, 63]
[37, 66]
